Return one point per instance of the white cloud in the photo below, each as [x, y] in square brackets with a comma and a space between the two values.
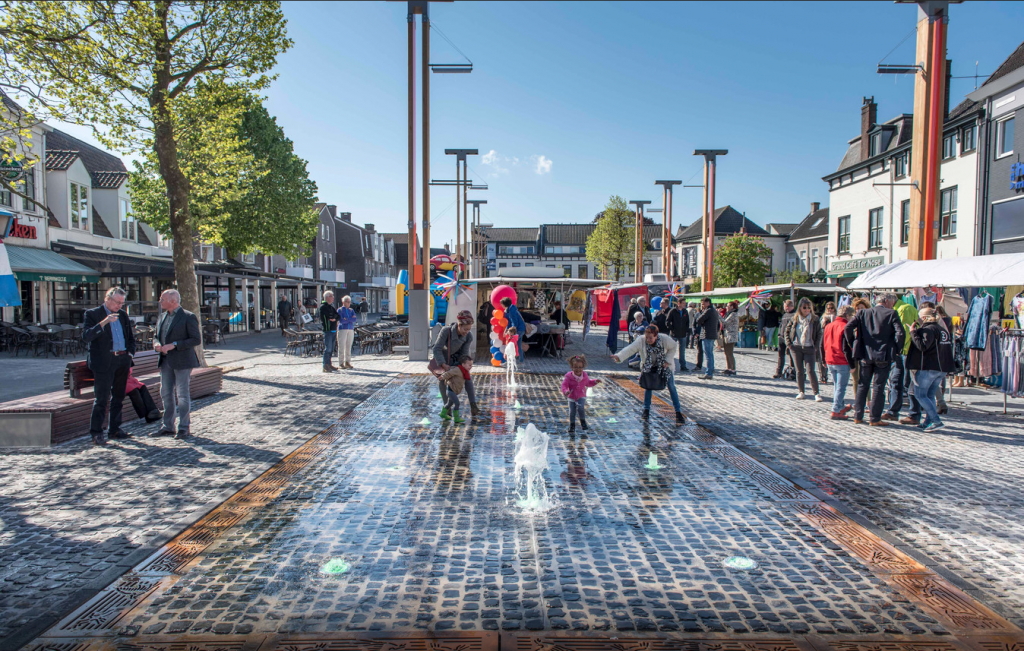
[494, 160]
[543, 164]
[489, 158]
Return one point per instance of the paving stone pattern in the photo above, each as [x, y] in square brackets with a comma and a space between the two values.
[71, 513]
[953, 495]
[427, 518]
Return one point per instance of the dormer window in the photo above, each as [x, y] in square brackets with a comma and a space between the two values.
[80, 207]
[875, 144]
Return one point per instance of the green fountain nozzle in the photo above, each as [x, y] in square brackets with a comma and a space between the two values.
[425, 421]
[335, 566]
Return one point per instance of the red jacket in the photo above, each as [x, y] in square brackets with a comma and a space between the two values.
[832, 342]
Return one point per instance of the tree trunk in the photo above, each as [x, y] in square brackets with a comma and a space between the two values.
[166, 148]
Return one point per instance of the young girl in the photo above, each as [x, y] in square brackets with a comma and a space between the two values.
[510, 355]
[455, 379]
[574, 387]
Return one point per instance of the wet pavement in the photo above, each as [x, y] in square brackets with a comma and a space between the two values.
[389, 525]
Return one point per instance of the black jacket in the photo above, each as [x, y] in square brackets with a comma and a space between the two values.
[875, 335]
[560, 316]
[661, 321]
[678, 323]
[931, 349]
[100, 355]
[707, 323]
[771, 318]
[284, 308]
[184, 333]
[633, 309]
[328, 317]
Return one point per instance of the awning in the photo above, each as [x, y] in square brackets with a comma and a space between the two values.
[1000, 270]
[741, 293]
[117, 263]
[47, 266]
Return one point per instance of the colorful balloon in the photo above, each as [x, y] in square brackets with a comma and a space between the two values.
[500, 292]
[500, 356]
[495, 362]
[503, 322]
[497, 314]
[656, 303]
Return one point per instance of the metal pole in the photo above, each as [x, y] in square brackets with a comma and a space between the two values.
[412, 150]
[458, 213]
[935, 81]
[711, 219]
[668, 241]
[704, 232]
[664, 229]
[465, 213]
[425, 68]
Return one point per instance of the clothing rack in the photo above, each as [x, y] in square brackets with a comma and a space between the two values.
[1015, 333]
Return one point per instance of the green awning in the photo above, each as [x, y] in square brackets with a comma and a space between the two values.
[48, 266]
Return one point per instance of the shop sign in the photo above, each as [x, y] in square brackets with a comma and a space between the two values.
[11, 170]
[859, 264]
[1017, 176]
[24, 231]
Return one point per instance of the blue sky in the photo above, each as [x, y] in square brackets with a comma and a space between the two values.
[581, 101]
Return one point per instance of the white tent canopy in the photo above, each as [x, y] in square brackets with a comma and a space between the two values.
[810, 288]
[999, 270]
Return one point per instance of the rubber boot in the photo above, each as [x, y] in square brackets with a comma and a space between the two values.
[456, 418]
[445, 415]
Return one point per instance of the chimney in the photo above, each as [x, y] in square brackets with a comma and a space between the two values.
[868, 118]
[815, 206]
[333, 210]
[345, 216]
[369, 227]
[949, 72]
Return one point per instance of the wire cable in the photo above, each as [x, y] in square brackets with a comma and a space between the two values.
[913, 31]
[434, 26]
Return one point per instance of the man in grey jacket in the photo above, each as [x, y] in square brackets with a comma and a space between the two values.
[453, 343]
[177, 335]
[708, 325]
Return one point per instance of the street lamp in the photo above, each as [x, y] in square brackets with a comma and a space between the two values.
[475, 255]
[639, 237]
[710, 162]
[666, 225]
[461, 231]
[6, 221]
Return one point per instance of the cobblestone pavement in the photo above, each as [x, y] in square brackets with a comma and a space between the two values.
[394, 521]
[953, 495]
[74, 517]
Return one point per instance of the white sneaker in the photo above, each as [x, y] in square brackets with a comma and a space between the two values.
[800, 396]
[817, 398]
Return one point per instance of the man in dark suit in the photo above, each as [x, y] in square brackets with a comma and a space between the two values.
[177, 335]
[284, 312]
[111, 341]
[874, 337]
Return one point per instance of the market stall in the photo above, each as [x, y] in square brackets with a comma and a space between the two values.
[991, 352]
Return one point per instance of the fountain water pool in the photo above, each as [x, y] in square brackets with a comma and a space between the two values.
[531, 457]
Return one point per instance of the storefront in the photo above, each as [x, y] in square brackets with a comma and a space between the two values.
[844, 271]
[54, 288]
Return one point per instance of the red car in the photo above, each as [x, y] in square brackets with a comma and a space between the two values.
[444, 262]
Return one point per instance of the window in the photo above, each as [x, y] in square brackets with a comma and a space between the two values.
[529, 264]
[905, 222]
[875, 228]
[1004, 138]
[803, 261]
[5, 197]
[844, 234]
[502, 264]
[792, 261]
[901, 165]
[947, 223]
[969, 139]
[28, 188]
[875, 144]
[582, 273]
[80, 207]
[127, 222]
[567, 270]
[516, 264]
[550, 266]
[949, 147]
[515, 250]
[814, 261]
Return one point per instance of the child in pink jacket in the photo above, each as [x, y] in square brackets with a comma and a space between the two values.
[574, 387]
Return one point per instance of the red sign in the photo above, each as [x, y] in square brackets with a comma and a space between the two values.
[23, 231]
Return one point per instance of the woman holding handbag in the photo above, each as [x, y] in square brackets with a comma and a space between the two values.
[453, 343]
[656, 354]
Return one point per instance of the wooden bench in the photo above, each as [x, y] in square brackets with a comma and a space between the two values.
[60, 416]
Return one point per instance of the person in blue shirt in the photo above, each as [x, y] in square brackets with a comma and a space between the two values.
[515, 320]
[347, 317]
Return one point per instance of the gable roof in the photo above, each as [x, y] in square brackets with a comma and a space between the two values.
[511, 234]
[728, 221]
[105, 169]
[1013, 62]
[570, 234]
[814, 225]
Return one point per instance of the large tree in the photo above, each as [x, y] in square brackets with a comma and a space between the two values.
[126, 69]
[743, 258]
[611, 245]
[248, 190]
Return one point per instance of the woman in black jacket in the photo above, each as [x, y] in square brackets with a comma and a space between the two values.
[930, 358]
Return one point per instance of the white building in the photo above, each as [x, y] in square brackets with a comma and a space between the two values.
[728, 222]
[869, 194]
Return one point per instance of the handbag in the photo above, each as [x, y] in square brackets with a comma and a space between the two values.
[433, 365]
[652, 380]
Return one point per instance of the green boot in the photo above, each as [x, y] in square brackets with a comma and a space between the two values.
[444, 414]
[458, 419]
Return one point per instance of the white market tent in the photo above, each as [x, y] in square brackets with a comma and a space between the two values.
[744, 292]
[1000, 270]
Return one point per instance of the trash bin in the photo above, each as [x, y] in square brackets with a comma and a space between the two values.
[748, 339]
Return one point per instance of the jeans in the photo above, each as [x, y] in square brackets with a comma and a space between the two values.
[345, 346]
[804, 358]
[896, 386]
[873, 375]
[108, 389]
[707, 346]
[782, 357]
[578, 405]
[926, 386]
[672, 386]
[330, 338]
[730, 360]
[769, 335]
[175, 382]
[840, 378]
[682, 358]
[452, 400]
